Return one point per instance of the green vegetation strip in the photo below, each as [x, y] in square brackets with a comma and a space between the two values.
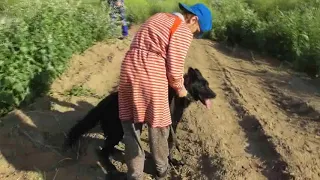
[37, 40]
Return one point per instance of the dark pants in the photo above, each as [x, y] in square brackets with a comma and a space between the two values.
[134, 154]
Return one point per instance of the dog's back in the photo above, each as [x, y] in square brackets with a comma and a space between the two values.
[105, 108]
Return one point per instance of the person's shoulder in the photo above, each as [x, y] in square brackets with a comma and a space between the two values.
[160, 15]
[184, 29]
[160, 19]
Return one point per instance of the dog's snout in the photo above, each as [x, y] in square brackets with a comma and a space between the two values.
[214, 95]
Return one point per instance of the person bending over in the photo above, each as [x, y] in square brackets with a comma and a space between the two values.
[155, 60]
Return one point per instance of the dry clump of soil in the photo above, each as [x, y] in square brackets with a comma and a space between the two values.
[258, 126]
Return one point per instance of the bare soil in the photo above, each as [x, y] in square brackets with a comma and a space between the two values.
[264, 123]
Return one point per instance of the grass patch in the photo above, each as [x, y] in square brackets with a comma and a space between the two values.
[79, 91]
[37, 40]
[287, 30]
[139, 10]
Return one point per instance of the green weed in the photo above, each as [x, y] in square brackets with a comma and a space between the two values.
[37, 40]
[79, 91]
[287, 30]
[140, 10]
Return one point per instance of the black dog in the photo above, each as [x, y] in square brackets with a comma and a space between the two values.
[107, 114]
[198, 90]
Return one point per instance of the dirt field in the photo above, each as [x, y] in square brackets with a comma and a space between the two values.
[264, 123]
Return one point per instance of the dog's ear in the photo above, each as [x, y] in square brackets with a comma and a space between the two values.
[191, 72]
[198, 73]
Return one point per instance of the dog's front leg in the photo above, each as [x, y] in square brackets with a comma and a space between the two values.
[172, 142]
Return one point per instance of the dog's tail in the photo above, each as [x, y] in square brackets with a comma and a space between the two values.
[86, 124]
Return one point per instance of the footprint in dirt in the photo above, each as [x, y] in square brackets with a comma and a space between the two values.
[110, 57]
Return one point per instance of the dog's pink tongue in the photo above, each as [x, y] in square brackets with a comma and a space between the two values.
[208, 103]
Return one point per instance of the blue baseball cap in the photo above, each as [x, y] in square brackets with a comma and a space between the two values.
[202, 12]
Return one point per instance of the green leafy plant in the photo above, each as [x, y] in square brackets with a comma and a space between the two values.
[287, 30]
[79, 91]
[37, 40]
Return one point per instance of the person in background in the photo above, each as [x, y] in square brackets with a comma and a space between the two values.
[117, 9]
[154, 61]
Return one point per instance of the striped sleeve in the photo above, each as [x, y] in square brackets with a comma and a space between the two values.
[177, 52]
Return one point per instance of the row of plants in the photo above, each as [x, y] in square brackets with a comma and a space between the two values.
[287, 30]
[37, 39]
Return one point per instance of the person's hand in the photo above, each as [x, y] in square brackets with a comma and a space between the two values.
[182, 93]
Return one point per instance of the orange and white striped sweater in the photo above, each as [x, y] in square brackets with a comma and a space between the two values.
[153, 61]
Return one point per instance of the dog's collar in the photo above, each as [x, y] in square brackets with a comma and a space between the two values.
[189, 97]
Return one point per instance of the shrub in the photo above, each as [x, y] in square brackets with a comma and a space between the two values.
[137, 10]
[37, 40]
[140, 10]
[235, 22]
[287, 30]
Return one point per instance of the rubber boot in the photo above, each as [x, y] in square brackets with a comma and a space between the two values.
[125, 31]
